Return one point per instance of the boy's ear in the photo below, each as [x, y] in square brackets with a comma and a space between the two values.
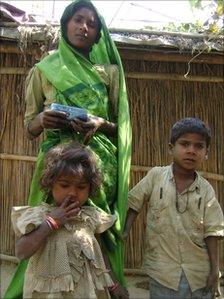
[170, 151]
[206, 154]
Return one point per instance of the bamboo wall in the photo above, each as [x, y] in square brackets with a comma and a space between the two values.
[158, 95]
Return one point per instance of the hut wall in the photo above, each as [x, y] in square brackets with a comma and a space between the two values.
[158, 96]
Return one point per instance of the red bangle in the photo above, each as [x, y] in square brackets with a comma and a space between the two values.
[114, 287]
[53, 222]
[49, 224]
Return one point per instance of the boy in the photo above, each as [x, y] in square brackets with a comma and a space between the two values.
[184, 219]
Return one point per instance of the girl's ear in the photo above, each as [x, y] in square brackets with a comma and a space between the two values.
[171, 146]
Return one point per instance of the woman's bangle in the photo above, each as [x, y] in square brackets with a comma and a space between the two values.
[114, 287]
[53, 223]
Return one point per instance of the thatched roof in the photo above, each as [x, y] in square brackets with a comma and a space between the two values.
[181, 42]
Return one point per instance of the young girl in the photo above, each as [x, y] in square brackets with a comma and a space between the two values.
[65, 258]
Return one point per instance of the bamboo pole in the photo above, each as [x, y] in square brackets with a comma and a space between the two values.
[201, 36]
[134, 271]
[127, 271]
[12, 47]
[135, 168]
[207, 175]
[173, 77]
[17, 157]
[139, 54]
[133, 75]
[158, 32]
[13, 71]
[9, 258]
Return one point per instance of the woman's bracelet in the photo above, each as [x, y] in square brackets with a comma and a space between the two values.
[51, 222]
[114, 287]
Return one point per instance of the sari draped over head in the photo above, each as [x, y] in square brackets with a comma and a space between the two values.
[77, 83]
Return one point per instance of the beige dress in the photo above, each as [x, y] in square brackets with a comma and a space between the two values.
[70, 264]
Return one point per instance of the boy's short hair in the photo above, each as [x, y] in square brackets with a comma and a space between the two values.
[190, 125]
[70, 159]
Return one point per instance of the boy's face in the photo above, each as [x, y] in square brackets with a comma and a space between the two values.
[75, 187]
[189, 151]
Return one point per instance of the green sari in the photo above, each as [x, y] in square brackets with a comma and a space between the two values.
[83, 87]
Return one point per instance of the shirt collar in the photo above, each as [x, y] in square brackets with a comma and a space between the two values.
[194, 186]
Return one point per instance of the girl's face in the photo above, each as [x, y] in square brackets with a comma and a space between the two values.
[82, 29]
[73, 186]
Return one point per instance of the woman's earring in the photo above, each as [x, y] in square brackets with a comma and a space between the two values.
[206, 157]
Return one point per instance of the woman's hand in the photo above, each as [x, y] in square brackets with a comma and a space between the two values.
[87, 128]
[66, 212]
[50, 119]
[93, 124]
[119, 292]
[47, 119]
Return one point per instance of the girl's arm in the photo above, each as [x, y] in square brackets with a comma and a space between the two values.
[131, 216]
[213, 253]
[117, 290]
[28, 244]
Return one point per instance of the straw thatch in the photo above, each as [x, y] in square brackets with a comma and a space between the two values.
[159, 94]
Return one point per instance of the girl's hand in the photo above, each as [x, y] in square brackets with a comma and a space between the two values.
[50, 119]
[213, 283]
[66, 212]
[87, 128]
[120, 292]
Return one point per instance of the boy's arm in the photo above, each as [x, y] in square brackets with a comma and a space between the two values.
[131, 216]
[213, 278]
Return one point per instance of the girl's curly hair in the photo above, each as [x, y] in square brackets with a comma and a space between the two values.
[70, 159]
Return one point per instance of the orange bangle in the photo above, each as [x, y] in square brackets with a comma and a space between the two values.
[53, 222]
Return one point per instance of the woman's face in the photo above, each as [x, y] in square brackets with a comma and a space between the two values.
[82, 29]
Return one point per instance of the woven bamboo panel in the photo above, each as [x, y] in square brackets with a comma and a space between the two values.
[154, 106]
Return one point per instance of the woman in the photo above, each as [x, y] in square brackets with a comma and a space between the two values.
[83, 73]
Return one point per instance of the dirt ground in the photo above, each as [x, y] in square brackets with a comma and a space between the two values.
[137, 284]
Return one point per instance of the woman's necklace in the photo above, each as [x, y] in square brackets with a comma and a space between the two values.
[177, 201]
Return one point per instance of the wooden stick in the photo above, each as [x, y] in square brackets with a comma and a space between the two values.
[17, 157]
[136, 53]
[161, 33]
[9, 258]
[13, 71]
[173, 77]
[12, 47]
[212, 176]
[207, 175]
[137, 271]
[135, 168]
[133, 75]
